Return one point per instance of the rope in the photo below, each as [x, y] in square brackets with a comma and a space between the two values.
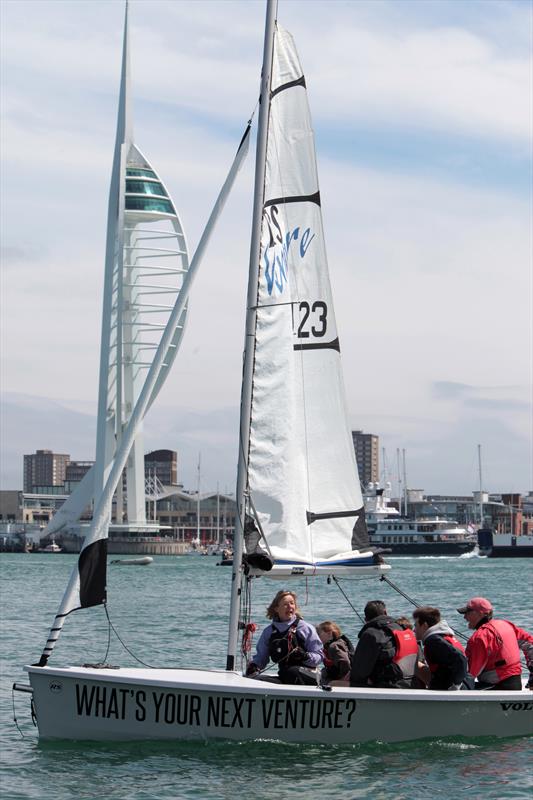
[348, 599]
[108, 636]
[15, 714]
[397, 589]
[124, 645]
[410, 600]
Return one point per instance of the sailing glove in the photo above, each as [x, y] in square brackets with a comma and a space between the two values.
[297, 656]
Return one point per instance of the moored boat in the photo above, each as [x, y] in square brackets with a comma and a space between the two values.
[52, 547]
[432, 536]
[505, 545]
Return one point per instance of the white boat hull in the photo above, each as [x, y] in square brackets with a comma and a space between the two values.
[173, 704]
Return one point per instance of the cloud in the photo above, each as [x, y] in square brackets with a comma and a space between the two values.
[450, 390]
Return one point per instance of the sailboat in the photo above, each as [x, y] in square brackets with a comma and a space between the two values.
[299, 507]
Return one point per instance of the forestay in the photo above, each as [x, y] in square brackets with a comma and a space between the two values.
[302, 473]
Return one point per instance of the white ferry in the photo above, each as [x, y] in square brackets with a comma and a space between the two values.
[429, 536]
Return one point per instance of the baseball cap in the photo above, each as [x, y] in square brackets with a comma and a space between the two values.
[480, 604]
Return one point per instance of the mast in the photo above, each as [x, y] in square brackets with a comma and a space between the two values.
[249, 346]
[218, 516]
[480, 487]
[399, 479]
[404, 484]
[198, 503]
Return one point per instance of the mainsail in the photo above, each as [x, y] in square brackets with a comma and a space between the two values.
[302, 474]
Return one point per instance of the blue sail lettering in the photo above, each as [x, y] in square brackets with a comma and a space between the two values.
[305, 241]
[276, 258]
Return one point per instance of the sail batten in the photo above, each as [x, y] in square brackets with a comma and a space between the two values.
[311, 198]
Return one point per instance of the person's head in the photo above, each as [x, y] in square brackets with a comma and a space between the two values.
[405, 623]
[476, 610]
[283, 607]
[425, 617]
[327, 631]
[373, 609]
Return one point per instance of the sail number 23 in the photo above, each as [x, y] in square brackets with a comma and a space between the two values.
[313, 319]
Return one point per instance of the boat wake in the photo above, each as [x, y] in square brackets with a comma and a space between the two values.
[473, 554]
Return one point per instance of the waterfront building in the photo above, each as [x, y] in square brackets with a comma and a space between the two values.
[44, 468]
[76, 471]
[162, 464]
[177, 510]
[366, 446]
[502, 513]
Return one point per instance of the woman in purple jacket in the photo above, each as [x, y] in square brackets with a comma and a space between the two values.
[289, 642]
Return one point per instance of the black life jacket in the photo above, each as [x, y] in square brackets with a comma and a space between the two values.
[281, 643]
[452, 642]
[397, 660]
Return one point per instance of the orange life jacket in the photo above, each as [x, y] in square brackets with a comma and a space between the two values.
[406, 651]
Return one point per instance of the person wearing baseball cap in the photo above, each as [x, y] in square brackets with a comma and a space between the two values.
[493, 650]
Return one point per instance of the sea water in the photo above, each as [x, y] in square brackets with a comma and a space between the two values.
[173, 612]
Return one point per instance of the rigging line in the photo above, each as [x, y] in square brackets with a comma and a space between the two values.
[124, 645]
[418, 605]
[258, 521]
[397, 589]
[15, 713]
[356, 612]
[108, 636]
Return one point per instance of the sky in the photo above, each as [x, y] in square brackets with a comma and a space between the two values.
[423, 120]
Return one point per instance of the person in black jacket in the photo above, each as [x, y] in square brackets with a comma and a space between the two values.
[445, 656]
[386, 654]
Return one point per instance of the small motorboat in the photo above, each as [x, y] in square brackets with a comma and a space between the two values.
[141, 561]
[50, 548]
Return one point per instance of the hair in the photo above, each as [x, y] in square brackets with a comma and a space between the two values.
[405, 623]
[427, 614]
[329, 627]
[271, 610]
[374, 608]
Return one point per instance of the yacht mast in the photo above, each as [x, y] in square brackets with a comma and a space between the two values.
[399, 480]
[218, 516]
[253, 277]
[198, 503]
[481, 514]
[404, 484]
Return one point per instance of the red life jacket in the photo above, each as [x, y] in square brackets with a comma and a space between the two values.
[503, 660]
[451, 640]
[406, 651]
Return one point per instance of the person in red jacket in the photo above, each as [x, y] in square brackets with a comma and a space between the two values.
[493, 650]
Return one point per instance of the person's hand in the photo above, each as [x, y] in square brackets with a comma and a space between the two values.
[251, 670]
[297, 656]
